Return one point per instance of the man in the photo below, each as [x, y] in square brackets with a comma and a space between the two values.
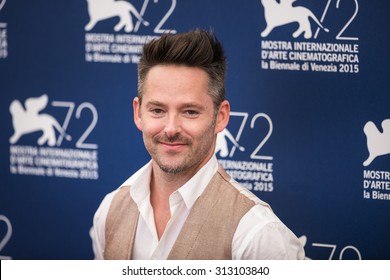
[182, 204]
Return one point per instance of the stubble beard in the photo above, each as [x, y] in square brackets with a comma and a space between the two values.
[164, 166]
[192, 159]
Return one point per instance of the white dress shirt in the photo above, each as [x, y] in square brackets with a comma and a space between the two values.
[259, 235]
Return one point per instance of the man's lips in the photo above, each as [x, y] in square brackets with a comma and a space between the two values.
[172, 146]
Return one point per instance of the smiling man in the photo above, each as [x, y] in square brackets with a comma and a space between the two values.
[182, 204]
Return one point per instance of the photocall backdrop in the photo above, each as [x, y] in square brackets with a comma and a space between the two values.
[309, 133]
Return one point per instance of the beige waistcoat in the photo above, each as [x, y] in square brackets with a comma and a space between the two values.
[206, 234]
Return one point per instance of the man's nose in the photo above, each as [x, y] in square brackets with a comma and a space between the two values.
[173, 125]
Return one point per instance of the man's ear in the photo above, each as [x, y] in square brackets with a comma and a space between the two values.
[137, 113]
[222, 116]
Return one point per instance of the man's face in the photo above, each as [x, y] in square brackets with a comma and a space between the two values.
[177, 118]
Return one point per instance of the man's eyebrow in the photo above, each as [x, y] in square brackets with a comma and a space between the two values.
[154, 103]
[196, 105]
[193, 105]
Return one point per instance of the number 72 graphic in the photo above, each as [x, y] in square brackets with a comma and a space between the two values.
[256, 152]
[340, 36]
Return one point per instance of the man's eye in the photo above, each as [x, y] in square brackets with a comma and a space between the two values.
[191, 113]
[157, 111]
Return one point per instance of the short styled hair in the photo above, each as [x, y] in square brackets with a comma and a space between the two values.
[197, 48]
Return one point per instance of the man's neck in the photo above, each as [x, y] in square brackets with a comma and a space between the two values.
[166, 183]
[162, 185]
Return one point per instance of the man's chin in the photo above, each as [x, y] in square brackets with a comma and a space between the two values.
[172, 169]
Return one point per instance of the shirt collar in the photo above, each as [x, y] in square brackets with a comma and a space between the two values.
[140, 183]
[190, 191]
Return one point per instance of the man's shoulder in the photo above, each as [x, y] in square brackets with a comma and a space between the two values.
[239, 189]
